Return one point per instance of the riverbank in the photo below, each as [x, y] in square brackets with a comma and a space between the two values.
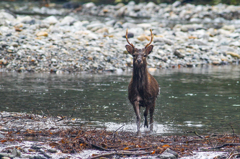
[210, 35]
[34, 136]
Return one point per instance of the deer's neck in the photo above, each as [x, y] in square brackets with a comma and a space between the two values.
[140, 78]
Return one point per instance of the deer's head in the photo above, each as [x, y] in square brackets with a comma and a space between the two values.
[139, 55]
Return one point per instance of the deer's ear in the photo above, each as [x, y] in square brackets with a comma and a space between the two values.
[149, 49]
[130, 49]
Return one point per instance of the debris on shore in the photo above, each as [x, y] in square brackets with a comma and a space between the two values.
[30, 136]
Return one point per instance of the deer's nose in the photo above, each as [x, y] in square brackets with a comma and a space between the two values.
[139, 61]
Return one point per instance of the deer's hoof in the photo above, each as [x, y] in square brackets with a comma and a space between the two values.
[139, 134]
[146, 124]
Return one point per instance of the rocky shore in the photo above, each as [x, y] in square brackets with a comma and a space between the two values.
[184, 36]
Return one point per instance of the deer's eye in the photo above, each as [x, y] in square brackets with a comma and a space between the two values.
[133, 55]
[145, 55]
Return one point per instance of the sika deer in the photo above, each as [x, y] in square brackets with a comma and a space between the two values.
[143, 87]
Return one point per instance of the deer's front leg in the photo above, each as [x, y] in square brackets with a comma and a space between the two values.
[151, 117]
[145, 115]
[137, 112]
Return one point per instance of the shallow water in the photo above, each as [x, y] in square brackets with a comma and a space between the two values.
[195, 99]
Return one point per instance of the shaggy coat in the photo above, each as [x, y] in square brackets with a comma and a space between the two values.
[143, 88]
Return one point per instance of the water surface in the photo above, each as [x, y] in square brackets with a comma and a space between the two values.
[191, 99]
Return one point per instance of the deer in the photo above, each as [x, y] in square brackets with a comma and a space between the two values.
[143, 88]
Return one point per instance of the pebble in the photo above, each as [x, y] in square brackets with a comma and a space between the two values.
[97, 44]
[42, 33]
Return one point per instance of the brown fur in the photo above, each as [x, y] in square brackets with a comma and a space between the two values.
[143, 87]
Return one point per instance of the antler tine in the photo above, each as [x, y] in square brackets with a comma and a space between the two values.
[151, 39]
[127, 39]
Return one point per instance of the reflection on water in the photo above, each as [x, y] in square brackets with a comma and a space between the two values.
[196, 99]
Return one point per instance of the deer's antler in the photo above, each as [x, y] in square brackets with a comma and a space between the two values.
[150, 40]
[127, 39]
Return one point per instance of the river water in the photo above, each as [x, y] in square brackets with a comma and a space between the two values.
[205, 100]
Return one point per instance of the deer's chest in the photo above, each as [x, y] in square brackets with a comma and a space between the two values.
[140, 90]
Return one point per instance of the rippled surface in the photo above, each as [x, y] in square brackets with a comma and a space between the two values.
[196, 99]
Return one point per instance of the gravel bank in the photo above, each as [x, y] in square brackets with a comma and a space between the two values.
[211, 36]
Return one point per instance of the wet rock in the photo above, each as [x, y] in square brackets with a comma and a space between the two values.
[38, 157]
[2, 136]
[52, 150]
[168, 154]
[13, 154]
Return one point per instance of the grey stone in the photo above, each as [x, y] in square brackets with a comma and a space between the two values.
[176, 4]
[168, 154]
[2, 136]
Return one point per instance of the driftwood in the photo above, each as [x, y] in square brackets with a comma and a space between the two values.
[232, 155]
[15, 12]
[122, 153]
[224, 145]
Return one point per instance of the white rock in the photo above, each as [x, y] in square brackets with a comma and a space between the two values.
[24, 19]
[6, 16]
[51, 20]
[89, 5]
[67, 20]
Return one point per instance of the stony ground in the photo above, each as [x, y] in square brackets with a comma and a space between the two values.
[184, 36]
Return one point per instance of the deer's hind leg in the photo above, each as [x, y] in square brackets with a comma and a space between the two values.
[137, 112]
[151, 116]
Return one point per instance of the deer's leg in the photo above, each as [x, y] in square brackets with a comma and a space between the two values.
[145, 115]
[137, 111]
[151, 117]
